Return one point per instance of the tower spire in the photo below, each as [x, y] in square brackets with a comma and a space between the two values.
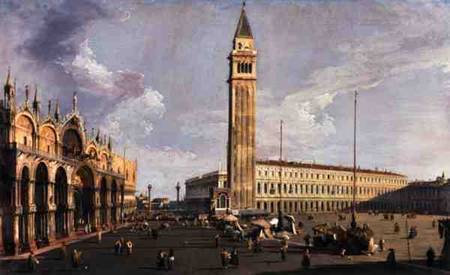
[49, 113]
[36, 101]
[8, 77]
[243, 29]
[9, 92]
[97, 138]
[27, 95]
[57, 110]
[74, 102]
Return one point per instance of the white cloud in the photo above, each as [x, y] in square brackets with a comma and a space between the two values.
[306, 123]
[132, 120]
[164, 167]
[96, 78]
[85, 65]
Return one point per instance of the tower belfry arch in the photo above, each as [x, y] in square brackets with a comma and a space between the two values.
[241, 122]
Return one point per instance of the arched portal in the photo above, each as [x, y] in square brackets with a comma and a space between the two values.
[84, 195]
[72, 145]
[61, 191]
[103, 202]
[41, 195]
[114, 202]
[23, 221]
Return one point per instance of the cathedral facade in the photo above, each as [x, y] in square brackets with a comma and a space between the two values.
[293, 187]
[56, 179]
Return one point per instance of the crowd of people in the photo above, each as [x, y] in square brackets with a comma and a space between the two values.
[228, 247]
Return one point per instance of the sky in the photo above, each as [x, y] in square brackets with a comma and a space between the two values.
[152, 74]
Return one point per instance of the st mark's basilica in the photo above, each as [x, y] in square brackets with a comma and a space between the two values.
[57, 178]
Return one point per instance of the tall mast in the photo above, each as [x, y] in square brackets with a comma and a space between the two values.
[280, 213]
[353, 223]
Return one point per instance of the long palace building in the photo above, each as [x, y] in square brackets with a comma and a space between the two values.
[294, 186]
[55, 178]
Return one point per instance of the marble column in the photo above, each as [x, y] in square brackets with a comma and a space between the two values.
[97, 224]
[108, 207]
[15, 232]
[51, 222]
[2, 249]
[31, 215]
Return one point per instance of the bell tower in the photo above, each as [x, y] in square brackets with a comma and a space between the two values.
[241, 120]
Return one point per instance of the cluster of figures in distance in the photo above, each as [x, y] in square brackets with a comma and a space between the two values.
[120, 245]
[76, 259]
[165, 260]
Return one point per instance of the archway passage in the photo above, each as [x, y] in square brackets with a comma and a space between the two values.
[61, 191]
[103, 202]
[23, 220]
[41, 195]
[114, 202]
[84, 198]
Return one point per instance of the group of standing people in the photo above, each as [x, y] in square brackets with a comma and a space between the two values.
[165, 260]
[121, 245]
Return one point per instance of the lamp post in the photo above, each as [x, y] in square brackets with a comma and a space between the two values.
[149, 187]
[178, 187]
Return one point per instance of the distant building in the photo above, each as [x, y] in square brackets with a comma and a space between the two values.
[208, 193]
[428, 197]
[301, 188]
[160, 203]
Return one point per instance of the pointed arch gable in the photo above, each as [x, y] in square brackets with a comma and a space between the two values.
[28, 115]
[25, 129]
[48, 138]
[92, 151]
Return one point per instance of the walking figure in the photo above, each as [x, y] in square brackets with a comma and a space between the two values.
[390, 260]
[32, 262]
[307, 239]
[117, 247]
[249, 244]
[234, 256]
[171, 260]
[225, 256]
[161, 260]
[217, 240]
[129, 247]
[122, 245]
[76, 258]
[430, 256]
[306, 261]
[381, 245]
[283, 252]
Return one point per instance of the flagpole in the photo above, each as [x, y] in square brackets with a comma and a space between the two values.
[280, 213]
[353, 223]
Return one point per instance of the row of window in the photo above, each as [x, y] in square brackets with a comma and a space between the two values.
[246, 68]
[314, 206]
[330, 177]
[269, 188]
